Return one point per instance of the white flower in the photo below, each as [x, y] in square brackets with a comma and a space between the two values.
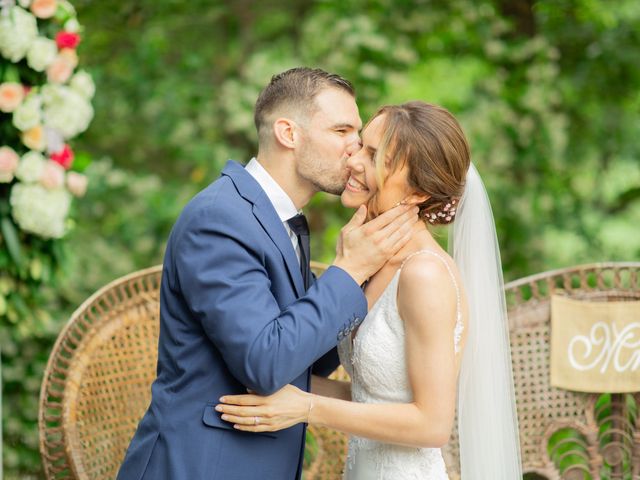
[40, 211]
[82, 83]
[24, 3]
[18, 30]
[65, 110]
[31, 167]
[55, 142]
[28, 114]
[42, 52]
[72, 26]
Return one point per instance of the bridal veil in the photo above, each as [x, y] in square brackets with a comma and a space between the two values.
[487, 418]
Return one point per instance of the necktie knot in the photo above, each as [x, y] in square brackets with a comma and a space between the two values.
[299, 225]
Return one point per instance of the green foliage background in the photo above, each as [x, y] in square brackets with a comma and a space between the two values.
[547, 92]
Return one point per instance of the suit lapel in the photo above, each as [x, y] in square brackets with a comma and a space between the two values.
[267, 216]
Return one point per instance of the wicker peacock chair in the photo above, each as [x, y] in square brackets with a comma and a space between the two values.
[96, 385]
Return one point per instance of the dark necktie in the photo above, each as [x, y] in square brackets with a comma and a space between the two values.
[299, 226]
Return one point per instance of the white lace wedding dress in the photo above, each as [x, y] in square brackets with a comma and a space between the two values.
[377, 366]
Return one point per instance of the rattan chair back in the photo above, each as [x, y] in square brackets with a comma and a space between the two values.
[561, 434]
[96, 386]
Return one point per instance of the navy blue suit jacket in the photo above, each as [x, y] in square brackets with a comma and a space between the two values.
[234, 314]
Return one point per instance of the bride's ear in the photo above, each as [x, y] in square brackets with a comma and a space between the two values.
[416, 198]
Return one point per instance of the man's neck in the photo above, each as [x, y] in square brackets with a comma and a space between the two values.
[283, 171]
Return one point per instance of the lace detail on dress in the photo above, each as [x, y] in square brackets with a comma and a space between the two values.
[376, 362]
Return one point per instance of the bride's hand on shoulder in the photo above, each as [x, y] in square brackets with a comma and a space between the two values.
[255, 413]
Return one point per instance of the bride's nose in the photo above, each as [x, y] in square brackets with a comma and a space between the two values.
[354, 163]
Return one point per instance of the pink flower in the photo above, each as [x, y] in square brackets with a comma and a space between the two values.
[63, 157]
[8, 164]
[70, 55]
[60, 70]
[11, 96]
[52, 176]
[67, 40]
[44, 8]
[77, 183]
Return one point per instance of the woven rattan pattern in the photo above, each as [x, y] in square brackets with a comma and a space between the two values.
[96, 385]
[97, 382]
[542, 409]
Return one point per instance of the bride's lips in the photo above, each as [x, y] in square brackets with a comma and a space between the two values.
[356, 186]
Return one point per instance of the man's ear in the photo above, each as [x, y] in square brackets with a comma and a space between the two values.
[284, 129]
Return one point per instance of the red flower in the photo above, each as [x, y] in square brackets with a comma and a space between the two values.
[67, 40]
[64, 157]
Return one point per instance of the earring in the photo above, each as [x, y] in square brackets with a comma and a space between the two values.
[401, 202]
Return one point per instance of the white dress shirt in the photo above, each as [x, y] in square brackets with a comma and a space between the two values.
[279, 199]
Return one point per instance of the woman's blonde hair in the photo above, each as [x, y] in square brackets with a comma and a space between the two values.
[431, 142]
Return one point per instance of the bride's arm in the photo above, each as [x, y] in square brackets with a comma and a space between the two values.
[427, 304]
[327, 387]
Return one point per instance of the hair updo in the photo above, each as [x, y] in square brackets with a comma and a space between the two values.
[430, 140]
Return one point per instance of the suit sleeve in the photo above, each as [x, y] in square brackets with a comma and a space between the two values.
[226, 286]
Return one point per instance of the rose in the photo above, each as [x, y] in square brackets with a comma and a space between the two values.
[59, 70]
[77, 183]
[41, 53]
[82, 83]
[70, 55]
[18, 29]
[8, 163]
[44, 8]
[28, 114]
[52, 176]
[67, 40]
[11, 96]
[30, 167]
[64, 157]
[40, 211]
[34, 138]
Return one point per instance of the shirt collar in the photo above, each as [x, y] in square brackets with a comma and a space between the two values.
[281, 201]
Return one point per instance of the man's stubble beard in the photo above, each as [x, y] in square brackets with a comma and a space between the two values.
[312, 169]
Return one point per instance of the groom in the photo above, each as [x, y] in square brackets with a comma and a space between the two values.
[239, 307]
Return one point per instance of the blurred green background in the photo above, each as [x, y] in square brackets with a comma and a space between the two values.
[548, 93]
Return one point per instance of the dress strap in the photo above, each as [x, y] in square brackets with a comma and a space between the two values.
[459, 328]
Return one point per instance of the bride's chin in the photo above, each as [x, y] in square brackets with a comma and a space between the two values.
[348, 201]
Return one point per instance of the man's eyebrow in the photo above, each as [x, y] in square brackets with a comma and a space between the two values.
[347, 126]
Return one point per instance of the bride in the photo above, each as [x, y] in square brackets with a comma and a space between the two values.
[435, 337]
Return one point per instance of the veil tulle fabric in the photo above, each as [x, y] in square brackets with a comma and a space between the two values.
[487, 419]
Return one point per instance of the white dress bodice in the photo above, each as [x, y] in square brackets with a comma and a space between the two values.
[375, 361]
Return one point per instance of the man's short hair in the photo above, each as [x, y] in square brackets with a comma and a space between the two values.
[294, 91]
